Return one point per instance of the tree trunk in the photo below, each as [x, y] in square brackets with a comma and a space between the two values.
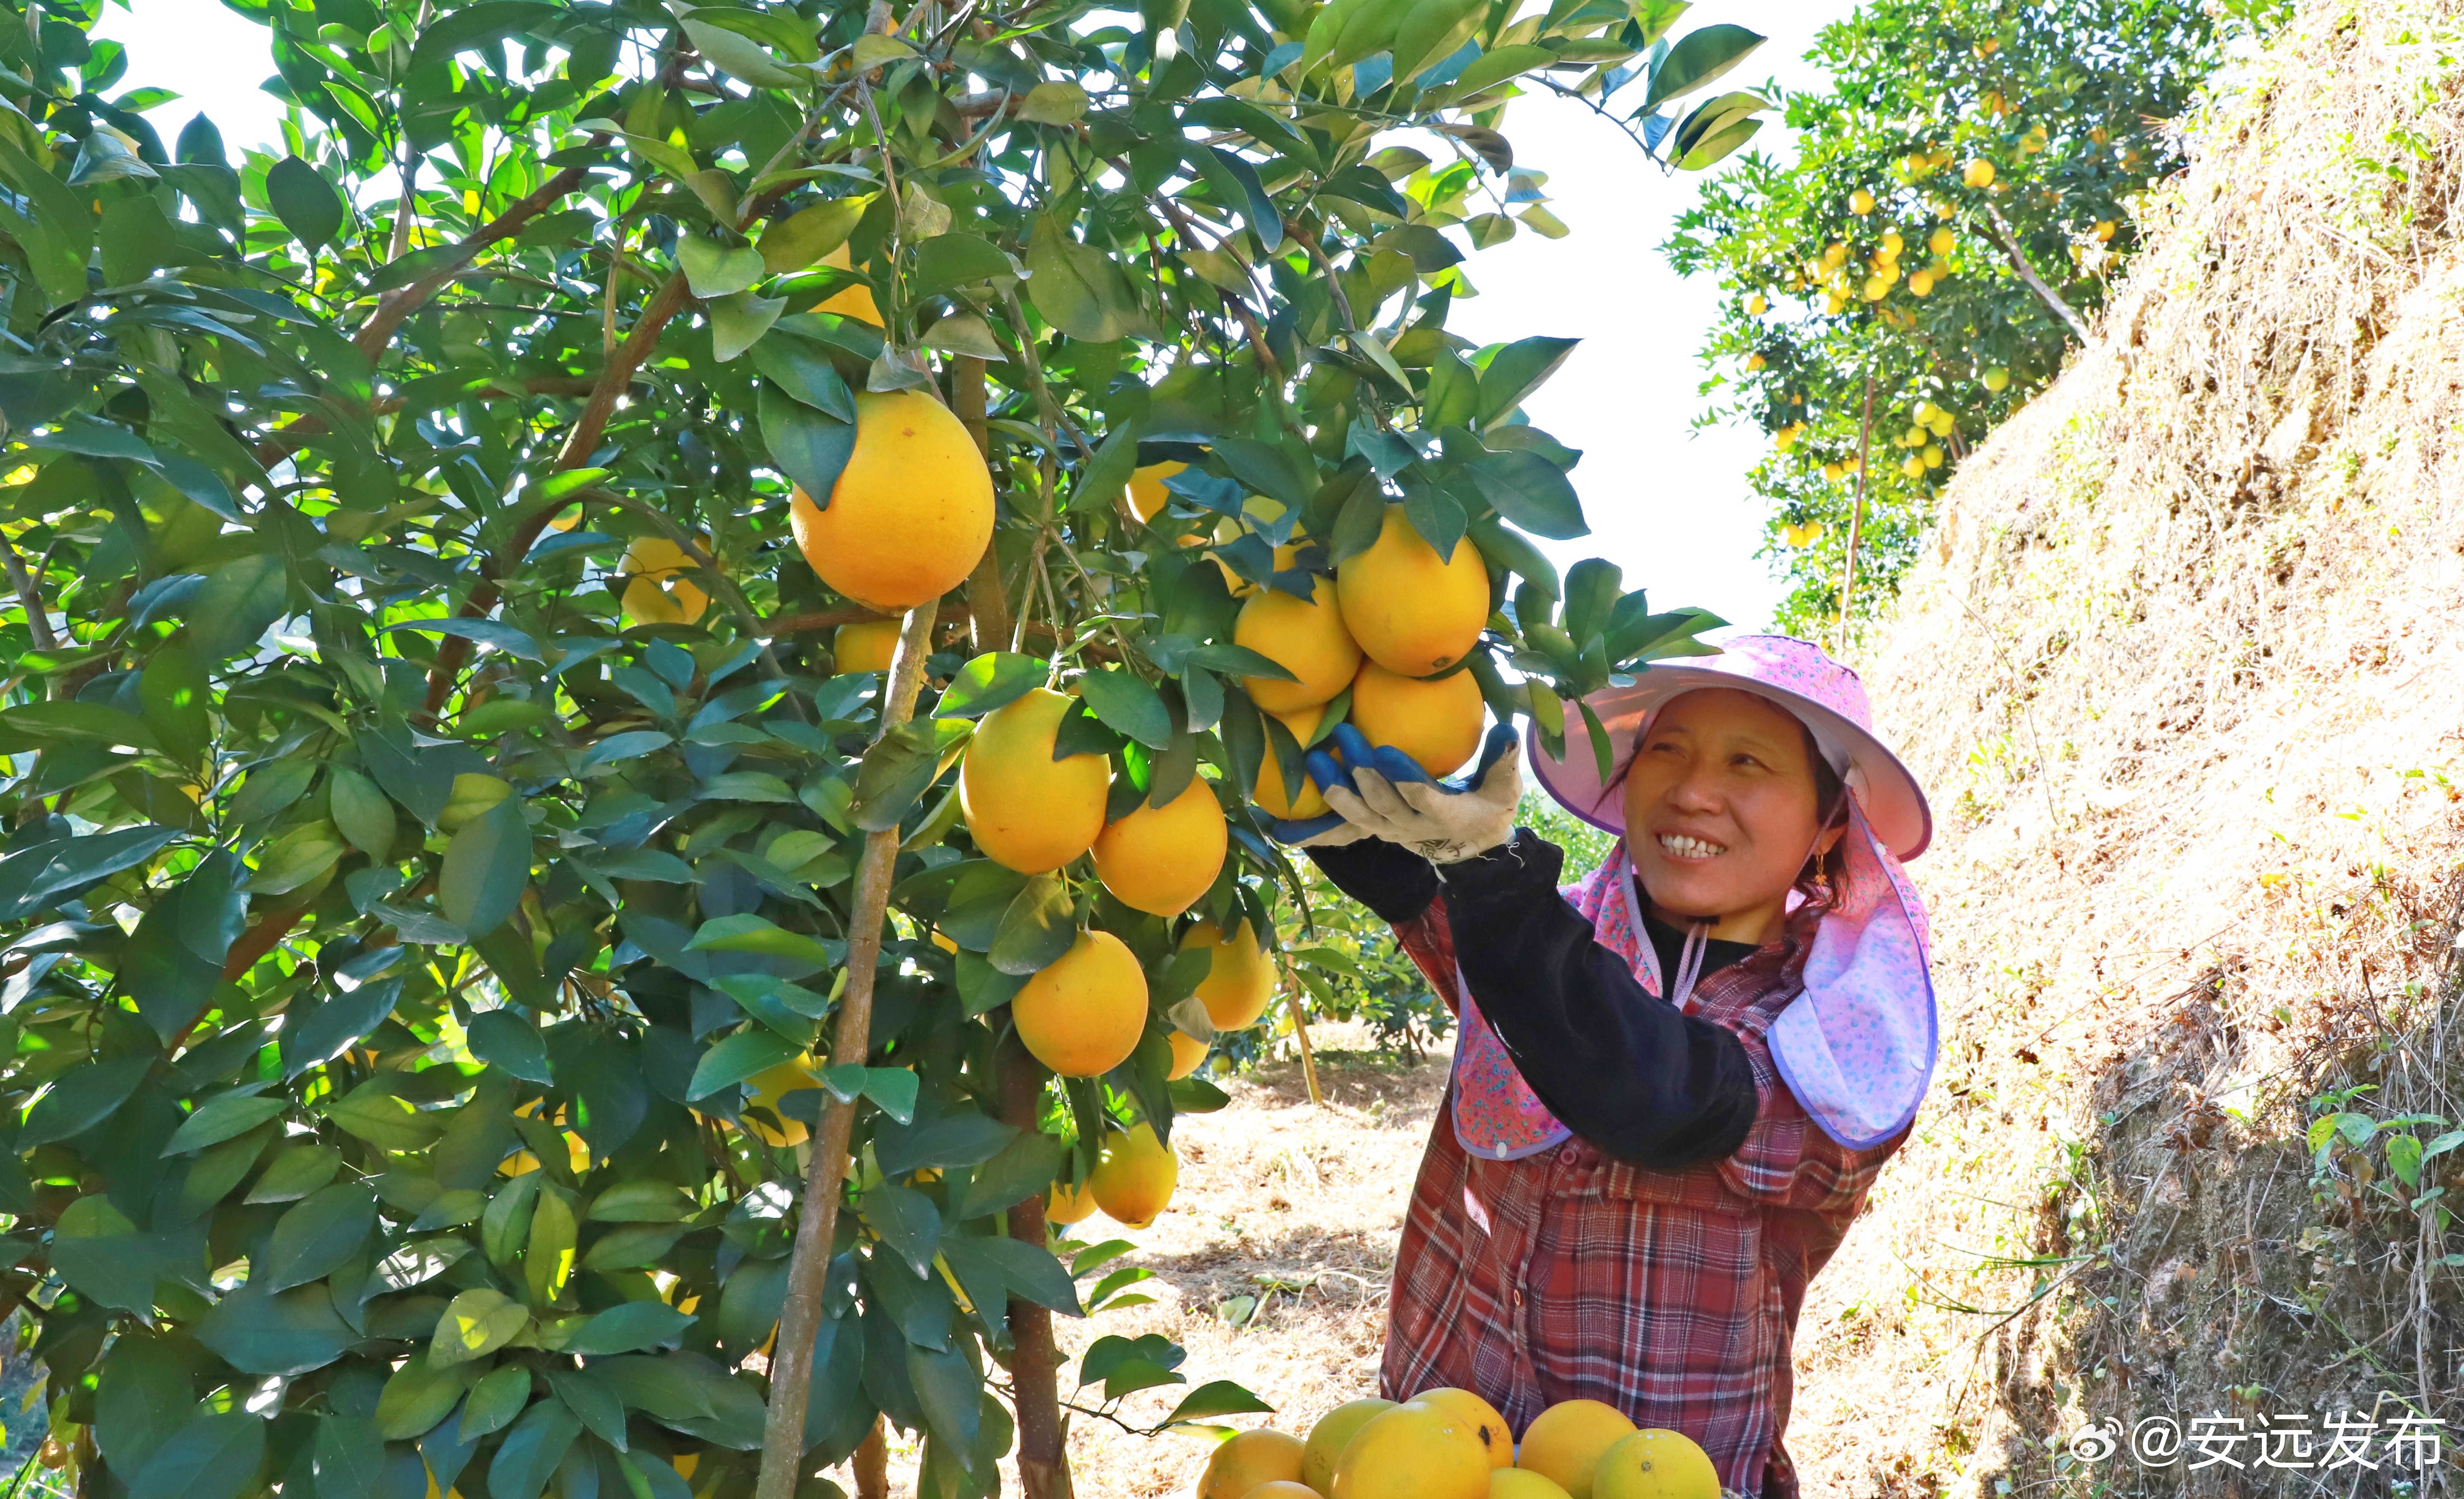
[2001, 233]
[987, 601]
[871, 1464]
[800, 1317]
[1035, 1363]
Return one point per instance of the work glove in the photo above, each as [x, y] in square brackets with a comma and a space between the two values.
[1380, 792]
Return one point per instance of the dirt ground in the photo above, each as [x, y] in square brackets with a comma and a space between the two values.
[1270, 1265]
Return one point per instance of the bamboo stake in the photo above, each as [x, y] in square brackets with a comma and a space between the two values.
[1856, 520]
[799, 1318]
[1300, 1028]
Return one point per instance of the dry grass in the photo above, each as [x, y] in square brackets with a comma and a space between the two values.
[2186, 676]
[1296, 1207]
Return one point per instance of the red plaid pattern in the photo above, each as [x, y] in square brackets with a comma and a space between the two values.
[1672, 1295]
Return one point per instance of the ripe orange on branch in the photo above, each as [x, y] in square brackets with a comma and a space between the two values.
[1083, 1013]
[1410, 612]
[1271, 791]
[1133, 1183]
[1305, 637]
[1027, 810]
[1160, 859]
[1241, 980]
[1438, 723]
[910, 512]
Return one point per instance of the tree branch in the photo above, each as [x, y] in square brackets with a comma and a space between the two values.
[400, 304]
[1998, 230]
[38, 620]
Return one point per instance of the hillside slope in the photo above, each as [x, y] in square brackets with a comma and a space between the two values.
[2185, 673]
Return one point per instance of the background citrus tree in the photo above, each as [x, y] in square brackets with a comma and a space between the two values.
[1960, 198]
[491, 1003]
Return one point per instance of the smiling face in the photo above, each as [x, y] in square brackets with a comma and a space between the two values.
[1721, 811]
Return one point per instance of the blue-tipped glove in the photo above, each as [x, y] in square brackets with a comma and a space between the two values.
[1377, 791]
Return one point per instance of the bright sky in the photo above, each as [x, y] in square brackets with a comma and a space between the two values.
[1668, 504]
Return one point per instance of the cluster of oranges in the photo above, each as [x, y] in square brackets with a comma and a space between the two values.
[1450, 1443]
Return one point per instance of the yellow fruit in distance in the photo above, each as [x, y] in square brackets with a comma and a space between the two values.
[1998, 380]
[1187, 1052]
[1083, 1014]
[1410, 612]
[1332, 1433]
[1306, 638]
[1064, 1204]
[1833, 472]
[1436, 724]
[1412, 1452]
[1516, 1483]
[577, 1155]
[1932, 455]
[1655, 1463]
[1248, 1459]
[1943, 242]
[1160, 859]
[1270, 792]
[910, 512]
[1860, 203]
[866, 646]
[773, 1084]
[1479, 1416]
[1920, 284]
[1241, 978]
[2105, 230]
[854, 301]
[655, 592]
[1785, 438]
[1027, 810]
[1833, 254]
[1147, 494]
[1566, 1441]
[1132, 1184]
[1912, 466]
[1892, 243]
[1977, 173]
[1758, 305]
[1755, 362]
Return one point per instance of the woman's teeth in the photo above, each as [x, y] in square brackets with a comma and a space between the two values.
[1685, 848]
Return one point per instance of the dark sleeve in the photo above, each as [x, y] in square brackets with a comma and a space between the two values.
[1388, 878]
[1627, 1071]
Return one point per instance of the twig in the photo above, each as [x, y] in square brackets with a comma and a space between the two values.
[1857, 520]
[1300, 1028]
[38, 620]
[1998, 230]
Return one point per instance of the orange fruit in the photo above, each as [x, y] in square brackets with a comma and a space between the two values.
[1187, 1051]
[1516, 1483]
[1082, 1015]
[1479, 1416]
[1027, 810]
[1147, 494]
[1412, 1452]
[656, 591]
[866, 646]
[1248, 1459]
[853, 301]
[1655, 1463]
[1305, 637]
[1438, 723]
[1332, 1433]
[1241, 980]
[1411, 613]
[910, 512]
[1063, 1205]
[1160, 859]
[1132, 1184]
[1566, 1442]
[1271, 792]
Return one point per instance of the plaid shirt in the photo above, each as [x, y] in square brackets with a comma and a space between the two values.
[1670, 1296]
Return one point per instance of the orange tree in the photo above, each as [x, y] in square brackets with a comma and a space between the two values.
[499, 996]
[1960, 198]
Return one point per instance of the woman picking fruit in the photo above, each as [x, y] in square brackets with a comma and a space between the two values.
[1677, 1078]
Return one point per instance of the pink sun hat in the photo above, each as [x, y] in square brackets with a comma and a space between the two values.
[1795, 675]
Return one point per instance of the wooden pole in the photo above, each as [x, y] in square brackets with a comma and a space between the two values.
[1035, 1361]
[1300, 1028]
[1856, 520]
[800, 1317]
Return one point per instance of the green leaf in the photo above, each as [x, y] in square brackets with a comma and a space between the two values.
[741, 56]
[1040, 925]
[213, 1457]
[1497, 65]
[494, 1401]
[1126, 704]
[364, 813]
[349, 1456]
[798, 368]
[502, 1038]
[738, 322]
[735, 1059]
[946, 262]
[1024, 1167]
[474, 26]
[1715, 144]
[80, 1098]
[640, 1201]
[747, 933]
[1515, 371]
[1700, 57]
[294, 1172]
[384, 1120]
[220, 1119]
[803, 238]
[630, 1328]
[531, 1451]
[1078, 288]
[810, 445]
[417, 1396]
[288, 1333]
[304, 201]
[235, 605]
[487, 866]
[1055, 101]
[1532, 492]
[174, 959]
[995, 679]
[547, 1258]
[895, 772]
[1216, 1397]
[632, 1246]
[475, 1324]
[908, 1224]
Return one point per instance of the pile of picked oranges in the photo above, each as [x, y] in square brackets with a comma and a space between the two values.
[1452, 1445]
